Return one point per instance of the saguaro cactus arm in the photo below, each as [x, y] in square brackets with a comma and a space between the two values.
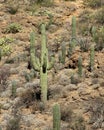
[34, 60]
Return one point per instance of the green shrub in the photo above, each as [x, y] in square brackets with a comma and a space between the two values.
[5, 46]
[98, 37]
[93, 3]
[14, 123]
[13, 28]
[99, 16]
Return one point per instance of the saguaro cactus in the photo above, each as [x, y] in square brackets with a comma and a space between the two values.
[62, 55]
[80, 66]
[43, 64]
[92, 56]
[0, 55]
[73, 27]
[56, 117]
[73, 39]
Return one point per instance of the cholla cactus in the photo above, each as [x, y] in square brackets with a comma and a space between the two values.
[56, 117]
[43, 64]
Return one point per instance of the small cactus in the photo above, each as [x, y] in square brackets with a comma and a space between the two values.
[0, 55]
[73, 39]
[73, 27]
[62, 54]
[56, 117]
[14, 87]
[80, 66]
[92, 55]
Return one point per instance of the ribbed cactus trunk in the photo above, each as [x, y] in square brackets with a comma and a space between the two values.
[73, 27]
[43, 67]
[73, 39]
[80, 66]
[73, 31]
[92, 57]
[56, 117]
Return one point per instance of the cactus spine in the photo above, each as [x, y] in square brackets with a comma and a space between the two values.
[92, 55]
[56, 117]
[80, 66]
[43, 64]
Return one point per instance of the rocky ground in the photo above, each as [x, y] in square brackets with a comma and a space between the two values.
[81, 98]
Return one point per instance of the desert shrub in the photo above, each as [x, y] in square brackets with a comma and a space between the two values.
[12, 7]
[98, 37]
[84, 43]
[45, 2]
[78, 124]
[84, 29]
[85, 16]
[5, 46]
[13, 28]
[70, 0]
[4, 74]
[96, 110]
[66, 113]
[93, 3]
[99, 16]
[14, 123]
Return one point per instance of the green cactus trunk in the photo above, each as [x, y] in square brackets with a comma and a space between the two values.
[0, 55]
[73, 39]
[56, 117]
[92, 56]
[73, 27]
[73, 31]
[44, 65]
[62, 55]
[80, 66]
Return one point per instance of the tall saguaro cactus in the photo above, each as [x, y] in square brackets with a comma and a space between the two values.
[43, 64]
[73, 40]
[56, 117]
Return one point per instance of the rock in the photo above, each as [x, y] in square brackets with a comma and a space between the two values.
[19, 91]
[71, 87]
[14, 71]
[6, 94]
[84, 90]
[6, 106]
[95, 86]
[34, 84]
[31, 119]
[101, 91]
[52, 28]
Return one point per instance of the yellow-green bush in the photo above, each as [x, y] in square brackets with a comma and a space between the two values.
[5, 46]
